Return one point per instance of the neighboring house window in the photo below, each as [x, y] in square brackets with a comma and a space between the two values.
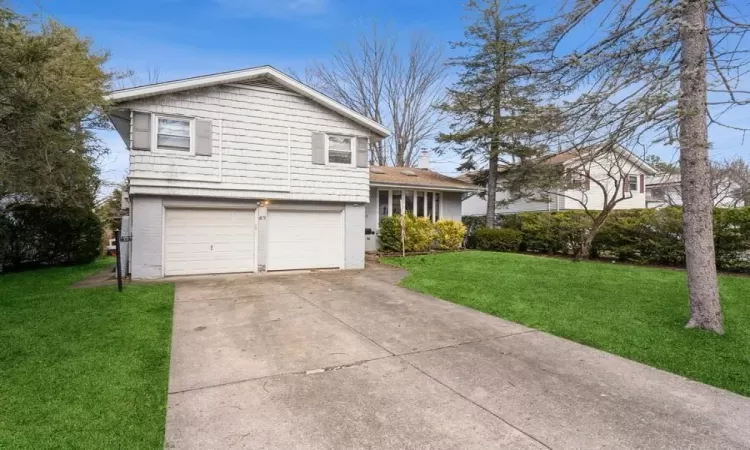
[657, 193]
[173, 134]
[340, 149]
[633, 183]
[580, 182]
[419, 203]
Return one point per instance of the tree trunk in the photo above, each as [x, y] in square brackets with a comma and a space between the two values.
[492, 189]
[697, 216]
[588, 239]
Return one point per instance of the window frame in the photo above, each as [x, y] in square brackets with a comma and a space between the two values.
[155, 134]
[415, 205]
[352, 149]
[631, 189]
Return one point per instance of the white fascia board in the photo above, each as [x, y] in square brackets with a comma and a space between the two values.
[124, 95]
[424, 187]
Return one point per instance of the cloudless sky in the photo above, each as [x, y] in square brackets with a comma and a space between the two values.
[180, 38]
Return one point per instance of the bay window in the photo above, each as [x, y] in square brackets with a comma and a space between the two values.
[419, 203]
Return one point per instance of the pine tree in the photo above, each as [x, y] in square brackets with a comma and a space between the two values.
[494, 106]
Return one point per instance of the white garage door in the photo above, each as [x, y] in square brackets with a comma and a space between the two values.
[202, 241]
[305, 240]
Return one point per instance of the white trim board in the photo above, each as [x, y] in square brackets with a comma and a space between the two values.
[279, 77]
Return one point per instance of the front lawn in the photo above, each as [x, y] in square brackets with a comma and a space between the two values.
[634, 312]
[82, 368]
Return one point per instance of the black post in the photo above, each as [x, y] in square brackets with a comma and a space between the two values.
[117, 255]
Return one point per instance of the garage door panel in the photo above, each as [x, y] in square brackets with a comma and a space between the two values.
[201, 241]
[305, 240]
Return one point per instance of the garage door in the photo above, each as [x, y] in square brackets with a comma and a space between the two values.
[203, 241]
[305, 240]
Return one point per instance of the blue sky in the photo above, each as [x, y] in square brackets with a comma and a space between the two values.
[182, 38]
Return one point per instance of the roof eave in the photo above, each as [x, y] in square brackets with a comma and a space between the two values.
[424, 186]
[129, 94]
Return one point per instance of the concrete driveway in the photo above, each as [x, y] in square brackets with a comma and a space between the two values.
[349, 360]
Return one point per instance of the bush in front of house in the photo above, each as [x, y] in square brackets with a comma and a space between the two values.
[643, 236]
[450, 234]
[420, 234]
[498, 239]
[37, 235]
[390, 234]
[556, 232]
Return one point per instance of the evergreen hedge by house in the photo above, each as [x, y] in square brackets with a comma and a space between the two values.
[644, 236]
[34, 235]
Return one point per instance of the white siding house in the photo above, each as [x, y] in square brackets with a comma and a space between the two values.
[603, 176]
[243, 171]
[665, 190]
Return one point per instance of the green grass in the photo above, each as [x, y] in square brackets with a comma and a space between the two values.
[635, 312]
[82, 368]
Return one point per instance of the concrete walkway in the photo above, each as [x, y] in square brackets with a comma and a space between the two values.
[346, 360]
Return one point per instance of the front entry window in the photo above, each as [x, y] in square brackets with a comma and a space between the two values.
[383, 205]
[419, 203]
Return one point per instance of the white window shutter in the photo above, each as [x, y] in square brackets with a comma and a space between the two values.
[318, 148]
[141, 131]
[203, 138]
[363, 151]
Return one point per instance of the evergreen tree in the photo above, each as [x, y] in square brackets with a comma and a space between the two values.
[52, 88]
[494, 106]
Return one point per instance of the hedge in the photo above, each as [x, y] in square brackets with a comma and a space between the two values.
[33, 235]
[421, 234]
[498, 239]
[643, 236]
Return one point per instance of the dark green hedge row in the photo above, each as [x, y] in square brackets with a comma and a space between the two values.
[34, 235]
[645, 236]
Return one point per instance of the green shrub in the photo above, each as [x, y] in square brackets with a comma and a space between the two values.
[390, 234]
[39, 235]
[557, 232]
[732, 238]
[450, 234]
[498, 239]
[419, 234]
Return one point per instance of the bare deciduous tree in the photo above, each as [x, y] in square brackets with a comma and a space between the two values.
[392, 85]
[594, 179]
[646, 77]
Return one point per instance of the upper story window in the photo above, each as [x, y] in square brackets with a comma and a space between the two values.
[340, 149]
[173, 134]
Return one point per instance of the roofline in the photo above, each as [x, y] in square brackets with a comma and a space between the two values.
[423, 186]
[632, 156]
[123, 95]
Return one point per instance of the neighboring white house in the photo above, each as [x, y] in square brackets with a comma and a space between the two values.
[619, 174]
[243, 171]
[664, 190]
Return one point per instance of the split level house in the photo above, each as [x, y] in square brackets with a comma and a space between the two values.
[595, 178]
[253, 171]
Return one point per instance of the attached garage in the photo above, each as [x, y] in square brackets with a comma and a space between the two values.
[305, 239]
[206, 241]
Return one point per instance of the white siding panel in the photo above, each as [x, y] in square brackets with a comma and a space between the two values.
[354, 217]
[146, 217]
[265, 149]
[452, 205]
